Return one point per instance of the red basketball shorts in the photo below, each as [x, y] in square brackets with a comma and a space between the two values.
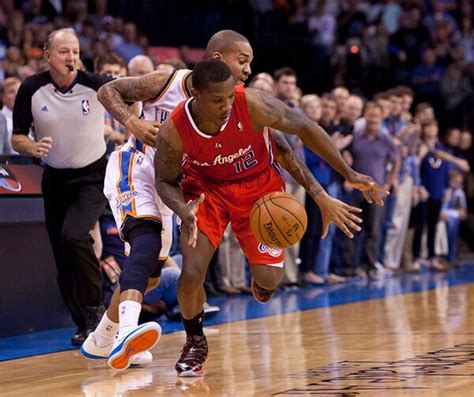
[232, 202]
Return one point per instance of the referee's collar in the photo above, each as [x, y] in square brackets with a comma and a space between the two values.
[66, 89]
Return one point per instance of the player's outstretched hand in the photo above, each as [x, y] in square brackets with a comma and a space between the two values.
[339, 213]
[371, 190]
[190, 219]
[144, 130]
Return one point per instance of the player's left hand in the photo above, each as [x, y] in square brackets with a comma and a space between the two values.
[190, 219]
[371, 190]
[339, 213]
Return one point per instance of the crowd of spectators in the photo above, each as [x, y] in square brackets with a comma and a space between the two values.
[401, 111]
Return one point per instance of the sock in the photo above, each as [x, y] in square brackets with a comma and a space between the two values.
[194, 326]
[129, 311]
[105, 331]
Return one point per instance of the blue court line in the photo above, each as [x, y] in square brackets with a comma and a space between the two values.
[244, 307]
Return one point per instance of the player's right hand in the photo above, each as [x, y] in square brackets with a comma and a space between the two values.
[190, 219]
[42, 147]
[339, 213]
[145, 130]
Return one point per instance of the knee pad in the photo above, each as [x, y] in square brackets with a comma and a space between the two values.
[145, 246]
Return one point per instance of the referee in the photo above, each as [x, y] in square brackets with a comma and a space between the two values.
[68, 120]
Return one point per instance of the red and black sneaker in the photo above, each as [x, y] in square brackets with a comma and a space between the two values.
[193, 356]
[261, 294]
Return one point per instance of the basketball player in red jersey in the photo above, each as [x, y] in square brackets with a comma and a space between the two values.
[162, 92]
[222, 132]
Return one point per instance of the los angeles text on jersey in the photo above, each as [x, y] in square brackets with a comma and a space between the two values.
[224, 159]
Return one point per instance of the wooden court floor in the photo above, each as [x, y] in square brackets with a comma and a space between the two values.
[418, 344]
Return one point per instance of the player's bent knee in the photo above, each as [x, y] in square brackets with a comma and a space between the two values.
[268, 277]
[145, 246]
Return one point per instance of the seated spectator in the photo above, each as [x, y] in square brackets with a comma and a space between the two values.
[161, 300]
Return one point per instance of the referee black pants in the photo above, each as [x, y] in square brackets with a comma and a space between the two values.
[73, 202]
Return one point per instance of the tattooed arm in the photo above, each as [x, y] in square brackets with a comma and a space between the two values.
[168, 159]
[266, 110]
[295, 166]
[332, 210]
[115, 95]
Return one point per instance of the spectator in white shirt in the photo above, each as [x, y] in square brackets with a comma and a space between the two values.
[10, 89]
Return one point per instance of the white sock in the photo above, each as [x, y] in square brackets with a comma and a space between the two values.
[129, 311]
[105, 331]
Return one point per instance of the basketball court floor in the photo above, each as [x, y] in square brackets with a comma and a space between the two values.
[409, 335]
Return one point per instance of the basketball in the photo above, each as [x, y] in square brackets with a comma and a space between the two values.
[278, 220]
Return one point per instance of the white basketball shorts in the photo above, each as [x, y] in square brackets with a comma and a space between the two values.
[130, 188]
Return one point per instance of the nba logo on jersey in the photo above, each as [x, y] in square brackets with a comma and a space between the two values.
[86, 107]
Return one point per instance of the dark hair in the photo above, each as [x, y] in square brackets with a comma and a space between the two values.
[328, 96]
[373, 105]
[223, 41]
[209, 71]
[110, 59]
[422, 106]
[380, 95]
[284, 71]
[404, 90]
[395, 92]
[427, 123]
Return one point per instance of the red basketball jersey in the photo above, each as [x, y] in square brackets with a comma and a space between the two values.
[237, 151]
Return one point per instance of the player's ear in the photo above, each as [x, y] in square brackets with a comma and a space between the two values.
[216, 55]
[194, 92]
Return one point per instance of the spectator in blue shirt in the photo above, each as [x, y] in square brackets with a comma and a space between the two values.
[434, 179]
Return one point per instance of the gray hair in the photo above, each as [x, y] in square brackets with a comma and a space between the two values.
[49, 40]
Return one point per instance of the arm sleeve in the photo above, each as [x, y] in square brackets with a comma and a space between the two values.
[22, 116]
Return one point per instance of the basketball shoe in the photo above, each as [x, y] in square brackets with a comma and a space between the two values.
[92, 351]
[261, 294]
[139, 339]
[193, 356]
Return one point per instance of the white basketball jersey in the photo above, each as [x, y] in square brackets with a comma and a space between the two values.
[159, 108]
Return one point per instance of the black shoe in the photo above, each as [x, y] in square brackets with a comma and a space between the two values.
[78, 338]
[93, 316]
[193, 356]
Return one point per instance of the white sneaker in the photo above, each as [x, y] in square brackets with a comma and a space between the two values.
[139, 339]
[91, 351]
[210, 310]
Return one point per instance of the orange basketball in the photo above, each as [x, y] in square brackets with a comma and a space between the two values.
[278, 220]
